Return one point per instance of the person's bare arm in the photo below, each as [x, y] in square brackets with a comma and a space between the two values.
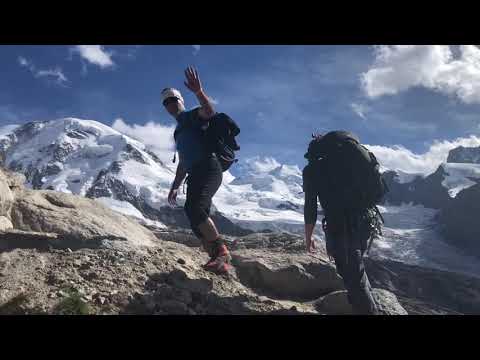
[179, 177]
[194, 84]
[310, 209]
[310, 215]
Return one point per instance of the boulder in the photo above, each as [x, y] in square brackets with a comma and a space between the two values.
[6, 195]
[286, 276]
[5, 223]
[336, 303]
[78, 221]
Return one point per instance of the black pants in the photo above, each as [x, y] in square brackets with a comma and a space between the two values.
[203, 182]
[347, 241]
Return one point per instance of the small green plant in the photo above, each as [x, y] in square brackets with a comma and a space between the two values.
[73, 304]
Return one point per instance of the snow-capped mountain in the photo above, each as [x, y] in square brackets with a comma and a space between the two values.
[459, 172]
[435, 190]
[68, 154]
[453, 190]
[91, 159]
[459, 177]
[88, 158]
[463, 154]
[264, 194]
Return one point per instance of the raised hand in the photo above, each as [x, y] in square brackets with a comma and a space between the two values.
[193, 80]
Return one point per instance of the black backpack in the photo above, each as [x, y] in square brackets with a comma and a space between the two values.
[353, 176]
[219, 136]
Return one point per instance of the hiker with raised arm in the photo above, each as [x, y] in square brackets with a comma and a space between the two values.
[201, 164]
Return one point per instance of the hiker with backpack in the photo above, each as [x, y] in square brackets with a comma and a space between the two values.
[344, 176]
[203, 155]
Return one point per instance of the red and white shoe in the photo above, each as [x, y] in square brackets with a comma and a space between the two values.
[220, 263]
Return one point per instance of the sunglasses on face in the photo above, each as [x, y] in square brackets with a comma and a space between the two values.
[169, 100]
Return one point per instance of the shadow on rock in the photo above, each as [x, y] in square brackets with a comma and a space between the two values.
[177, 294]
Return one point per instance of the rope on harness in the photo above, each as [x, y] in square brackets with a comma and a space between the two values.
[185, 183]
[377, 228]
[379, 214]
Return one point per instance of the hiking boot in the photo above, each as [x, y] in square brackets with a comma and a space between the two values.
[220, 262]
[210, 250]
[211, 259]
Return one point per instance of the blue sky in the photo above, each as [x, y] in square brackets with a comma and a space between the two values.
[389, 95]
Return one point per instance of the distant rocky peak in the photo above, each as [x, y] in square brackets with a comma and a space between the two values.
[463, 154]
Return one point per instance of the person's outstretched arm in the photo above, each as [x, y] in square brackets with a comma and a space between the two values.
[194, 84]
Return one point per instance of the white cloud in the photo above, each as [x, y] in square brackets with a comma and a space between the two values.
[56, 73]
[360, 110]
[53, 73]
[95, 54]
[27, 64]
[196, 49]
[400, 158]
[23, 61]
[157, 137]
[401, 67]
